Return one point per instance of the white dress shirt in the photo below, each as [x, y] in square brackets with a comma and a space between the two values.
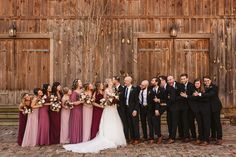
[144, 92]
[128, 93]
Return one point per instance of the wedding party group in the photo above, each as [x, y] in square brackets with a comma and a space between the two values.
[89, 118]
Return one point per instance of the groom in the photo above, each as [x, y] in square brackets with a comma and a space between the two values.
[131, 109]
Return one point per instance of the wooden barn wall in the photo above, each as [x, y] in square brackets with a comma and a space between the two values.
[122, 19]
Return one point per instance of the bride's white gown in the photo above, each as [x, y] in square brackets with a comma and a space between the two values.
[110, 134]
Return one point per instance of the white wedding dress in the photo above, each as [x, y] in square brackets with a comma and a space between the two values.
[110, 134]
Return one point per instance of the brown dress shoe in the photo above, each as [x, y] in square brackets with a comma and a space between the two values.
[136, 142]
[219, 142]
[197, 142]
[159, 141]
[151, 141]
[170, 141]
[205, 143]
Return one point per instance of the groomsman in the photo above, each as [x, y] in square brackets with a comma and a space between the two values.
[211, 91]
[178, 109]
[131, 110]
[120, 107]
[168, 93]
[143, 105]
[157, 103]
[189, 90]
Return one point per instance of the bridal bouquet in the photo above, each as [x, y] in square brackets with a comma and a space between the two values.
[27, 110]
[86, 98]
[55, 103]
[112, 99]
[69, 104]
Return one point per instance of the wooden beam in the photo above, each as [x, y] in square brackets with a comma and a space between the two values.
[114, 17]
[28, 36]
[167, 36]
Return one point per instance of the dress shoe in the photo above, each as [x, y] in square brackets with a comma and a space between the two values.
[130, 141]
[219, 142]
[197, 142]
[136, 142]
[205, 143]
[186, 140]
[159, 141]
[170, 141]
[151, 141]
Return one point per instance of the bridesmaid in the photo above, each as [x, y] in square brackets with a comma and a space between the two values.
[31, 131]
[76, 114]
[43, 127]
[25, 101]
[87, 113]
[97, 109]
[65, 116]
[55, 117]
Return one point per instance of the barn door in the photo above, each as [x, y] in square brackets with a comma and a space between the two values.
[153, 58]
[192, 57]
[24, 65]
[172, 57]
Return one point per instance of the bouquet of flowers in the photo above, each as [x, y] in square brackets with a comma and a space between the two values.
[42, 100]
[86, 98]
[112, 99]
[27, 110]
[69, 104]
[55, 103]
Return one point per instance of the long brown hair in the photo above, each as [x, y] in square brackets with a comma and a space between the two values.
[201, 87]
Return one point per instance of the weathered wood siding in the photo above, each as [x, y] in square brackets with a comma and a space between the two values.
[114, 54]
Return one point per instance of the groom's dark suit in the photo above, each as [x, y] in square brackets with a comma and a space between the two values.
[131, 103]
[120, 106]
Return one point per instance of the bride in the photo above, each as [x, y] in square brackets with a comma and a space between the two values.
[110, 133]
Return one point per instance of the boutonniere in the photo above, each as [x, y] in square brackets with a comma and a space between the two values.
[131, 89]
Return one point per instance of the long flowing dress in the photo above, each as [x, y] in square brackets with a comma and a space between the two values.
[76, 121]
[110, 134]
[87, 122]
[31, 131]
[65, 117]
[22, 126]
[97, 114]
[43, 127]
[55, 126]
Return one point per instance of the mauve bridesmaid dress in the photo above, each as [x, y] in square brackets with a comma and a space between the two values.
[43, 127]
[97, 114]
[76, 121]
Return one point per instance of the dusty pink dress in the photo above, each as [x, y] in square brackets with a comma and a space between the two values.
[31, 131]
[87, 122]
[65, 117]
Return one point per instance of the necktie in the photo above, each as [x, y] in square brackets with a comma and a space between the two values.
[126, 92]
[142, 98]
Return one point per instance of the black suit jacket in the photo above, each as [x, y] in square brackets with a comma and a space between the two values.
[198, 103]
[189, 91]
[178, 102]
[169, 95]
[120, 90]
[212, 94]
[133, 99]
